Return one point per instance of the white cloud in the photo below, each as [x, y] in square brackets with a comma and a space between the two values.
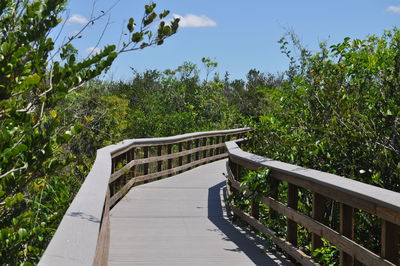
[393, 9]
[194, 21]
[77, 19]
[93, 50]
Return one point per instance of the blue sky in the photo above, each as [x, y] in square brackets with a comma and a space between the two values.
[239, 35]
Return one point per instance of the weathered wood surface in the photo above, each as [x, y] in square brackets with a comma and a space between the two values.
[349, 193]
[82, 236]
[126, 144]
[153, 176]
[180, 221]
[75, 241]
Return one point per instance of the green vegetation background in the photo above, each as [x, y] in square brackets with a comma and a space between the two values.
[336, 110]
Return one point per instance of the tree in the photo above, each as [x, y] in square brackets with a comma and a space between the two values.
[32, 82]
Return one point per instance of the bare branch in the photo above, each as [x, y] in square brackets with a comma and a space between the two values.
[26, 109]
[101, 37]
[13, 171]
[76, 87]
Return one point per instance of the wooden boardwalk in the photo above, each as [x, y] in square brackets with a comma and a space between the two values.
[181, 220]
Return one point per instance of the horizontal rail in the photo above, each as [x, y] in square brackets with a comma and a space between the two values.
[83, 235]
[349, 193]
[132, 163]
[126, 144]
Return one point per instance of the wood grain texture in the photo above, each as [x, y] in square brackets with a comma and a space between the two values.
[362, 254]
[103, 243]
[126, 145]
[291, 250]
[390, 241]
[75, 241]
[318, 211]
[181, 221]
[347, 230]
[117, 196]
[342, 240]
[377, 201]
[80, 235]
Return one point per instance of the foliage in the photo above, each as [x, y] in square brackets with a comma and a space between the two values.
[327, 254]
[338, 111]
[174, 102]
[32, 83]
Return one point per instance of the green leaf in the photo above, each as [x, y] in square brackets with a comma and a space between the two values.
[137, 37]
[131, 25]
[53, 113]
[22, 233]
[32, 80]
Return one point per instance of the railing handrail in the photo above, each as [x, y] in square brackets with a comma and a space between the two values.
[351, 195]
[125, 144]
[76, 241]
[374, 195]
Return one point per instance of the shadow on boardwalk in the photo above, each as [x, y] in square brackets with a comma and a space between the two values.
[246, 240]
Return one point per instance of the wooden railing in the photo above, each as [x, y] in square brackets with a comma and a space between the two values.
[83, 235]
[350, 194]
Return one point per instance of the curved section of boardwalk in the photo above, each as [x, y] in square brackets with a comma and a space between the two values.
[181, 220]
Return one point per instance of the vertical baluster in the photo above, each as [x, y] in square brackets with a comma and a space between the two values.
[211, 151]
[390, 241]
[116, 168]
[255, 208]
[197, 143]
[318, 211]
[237, 172]
[204, 144]
[146, 165]
[111, 186]
[346, 229]
[189, 147]
[292, 203]
[133, 169]
[159, 163]
[217, 141]
[222, 149]
[127, 160]
[169, 151]
[180, 160]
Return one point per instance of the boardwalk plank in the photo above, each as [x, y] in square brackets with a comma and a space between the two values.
[181, 221]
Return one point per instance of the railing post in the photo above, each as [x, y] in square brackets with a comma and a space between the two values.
[237, 172]
[255, 208]
[222, 149]
[346, 229]
[133, 169]
[204, 144]
[169, 151]
[217, 141]
[197, 143]
[189, 147]
[180, 159]
[112, 185]
[145, 155]
[292, 225]
[318, 211]
[127, 160]
[390, 241]
[159, 163]
[211, 149]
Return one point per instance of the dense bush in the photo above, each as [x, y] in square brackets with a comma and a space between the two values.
[342, 115]
[32, 132]
[339, 112]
